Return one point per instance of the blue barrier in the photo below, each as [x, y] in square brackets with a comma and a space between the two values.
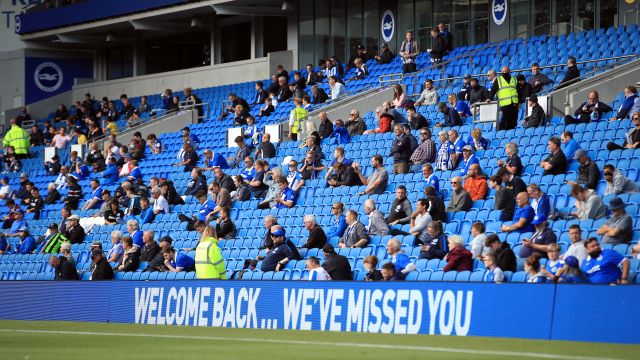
[579, 313]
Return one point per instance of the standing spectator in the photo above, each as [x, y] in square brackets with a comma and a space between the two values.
[476, 93]
[17, 138]
[503, 198]
[428, 96]
[619, 227]
[476, 183]
[572, 75]
[493, 273]
[577, 247]
[492, 79]
[617, 183]
[296, 117]
[456, 146]
[603, 266]
[460, 199]
[74, 193]
[317, 238]
[589, 204]
[426, 151]
[513, 164]
[386, 56]
[437, 47]
[537, 243]
[590, 110]
[376, 182]
[377, 226]
[506, 90]
[209, 263]
[630, 104]
[458, 258]
[478, 240]
[538, 80]
[400, 210]
[409, 51]
[524, 89]
[446, 35]
[632, 137]
[537, 117]
[505, 258]
[355, 125]
[355, 235]
[556, 162]
[336, 265]
[401, 151]
[451, 116]
[522, 217]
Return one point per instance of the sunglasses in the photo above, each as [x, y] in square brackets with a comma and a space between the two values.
[423, 133]
[608, 174]
[455, 182]
[292, 165]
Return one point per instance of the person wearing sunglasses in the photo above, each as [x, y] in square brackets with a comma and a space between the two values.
[617, 183]
[632, 137]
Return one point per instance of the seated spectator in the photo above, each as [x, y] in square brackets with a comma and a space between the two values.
[540, 202]
[376, 225]
[116, 252]
[53, 166]
[189, 158]
[266, 149]
[451, 116]
[344, 176]
[589, 204]
[455, 147]
[150, 248]
[130, 258]
[361, 70]
[459, 105]
[513, 163]
[313, 145]
[242, 153]
[155, 146]
[398, 258]
[537, 117]
[355, 235]
[74, 193]
[503, 198]
[384, 122]
[434, 245]
[133, 227]
[412, 139]
[632, 137]
[415, 120]
[53, 195]
[111, 174]
[436, 206]
[619, 227]
[604, 266]
[370, 264]
[537, 243]
[95, 201]
[428, 96]
[63, 269]
[336, 265]
[476, 141]
[61, 113]
[476, 93]
[337, 89]
[385, 55]
[221, 197]
[522, 217]
[225, 228]
[114, 214]
[177, 262]
[617, 183]
[338, 223]
[572, 273]
[205, 213]
[160, 203]
[355, 125]
[443, 156]
[287, 197]
[458, 258]
[556, 162]
[478, 240]
[325, 129]
[400, 210]
[538, 80]
[533, 269]
[377, 182]
[338, 157]
[319, 95]
[476, 183]
[505, 258]
[340, 133]
[197, 183]
[389, 273]
[569, 145]
[511, 182]
[630, 105]
[576, 248]
[493, 273]
[401, 150]
[554, 266]
[310, 167]
[250, 171]
[420, 220]
[36, 137]
[572, 75]
[268, 108]
[316, 272]
[468, 159]
[14, 165]
[590, 110]
[242, 191]
[460, 198]
[317, 238]
[95, 159]
[281, 253]
[588, 172]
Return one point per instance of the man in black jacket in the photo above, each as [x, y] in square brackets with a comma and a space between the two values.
[131, 257]
[401, 151]
[319, 95]
[326, 127]
[344, 176]
[101, 268]
[537, 117]
[572, 75]
[150, 248]
[63, 268]
[336, 265]
[385, 56]
[223, 180]
[74, 232]
[436, 208]
[592, 109]
[317, 238]
[505, 258]
[157, 263]
[312, 77]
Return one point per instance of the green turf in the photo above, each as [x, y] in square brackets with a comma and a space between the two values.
[217, 343]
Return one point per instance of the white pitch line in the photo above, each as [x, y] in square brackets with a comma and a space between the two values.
[510, 354]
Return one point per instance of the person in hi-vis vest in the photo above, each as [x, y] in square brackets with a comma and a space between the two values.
[505, 88]
[209, 261]
[297, 115]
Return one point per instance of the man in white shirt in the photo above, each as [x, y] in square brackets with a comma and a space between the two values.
[5, 189]
[577, 247]
[61, 180]
[337, 89]
[160, 204]
[316, 272]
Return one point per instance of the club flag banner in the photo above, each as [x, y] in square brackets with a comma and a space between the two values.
[456, 309]
[46, 77]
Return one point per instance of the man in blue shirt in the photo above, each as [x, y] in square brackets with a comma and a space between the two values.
[294, 178]
[177, 262]
[250, 171]
[455, 146]
[603, 266]
[95, 200]
[522, 217]
[27, 243]
[18, 222]
[135, 173]
[212, 160]
[430, 178]
[339, 222]
[569, 145]
[397, 258]
[287, 196]
[82, 170]
[111, 174]
[468, 159]
[195, 141]
[280, 254]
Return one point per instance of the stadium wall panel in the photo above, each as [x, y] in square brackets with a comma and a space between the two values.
[578, 313]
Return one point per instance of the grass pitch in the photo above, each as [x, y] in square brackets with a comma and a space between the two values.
[32, 340]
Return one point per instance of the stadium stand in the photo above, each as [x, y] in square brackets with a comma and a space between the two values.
[596, 48]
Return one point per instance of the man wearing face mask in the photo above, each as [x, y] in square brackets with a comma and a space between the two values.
[505, 87]
[603, 266]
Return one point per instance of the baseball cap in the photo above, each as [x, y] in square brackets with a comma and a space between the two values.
[23, 228]
[617, 203]
[96, 243]
[74, 217]
[467, 147]
[360, 47]
[278, 232]
[384, 45]
[96, 252]
[328, 249]
[52, 226]
[167, 239]
[467, 76]
[578, 154]
[539, 219]
[572, 261]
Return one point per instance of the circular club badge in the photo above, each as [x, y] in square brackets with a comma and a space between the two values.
[499, 11]
[387, 26]
[48, 77]
[18, 25]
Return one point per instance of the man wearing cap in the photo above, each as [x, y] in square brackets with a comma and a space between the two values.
[556, 162]
[468, 159]
[619, 227]
[336, 265]
[17, 223]
[361, 53]
[385, 56]
[64, 269]
[588, 172]
[281, 252]
[27, 243]
[463, 94]
[537, 243]
[604, 266]
[53, 241]
[74, 232]
[101, 268]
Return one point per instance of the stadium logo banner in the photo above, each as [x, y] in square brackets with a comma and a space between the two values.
[499, 11]
[47, 77]
[387, 26]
